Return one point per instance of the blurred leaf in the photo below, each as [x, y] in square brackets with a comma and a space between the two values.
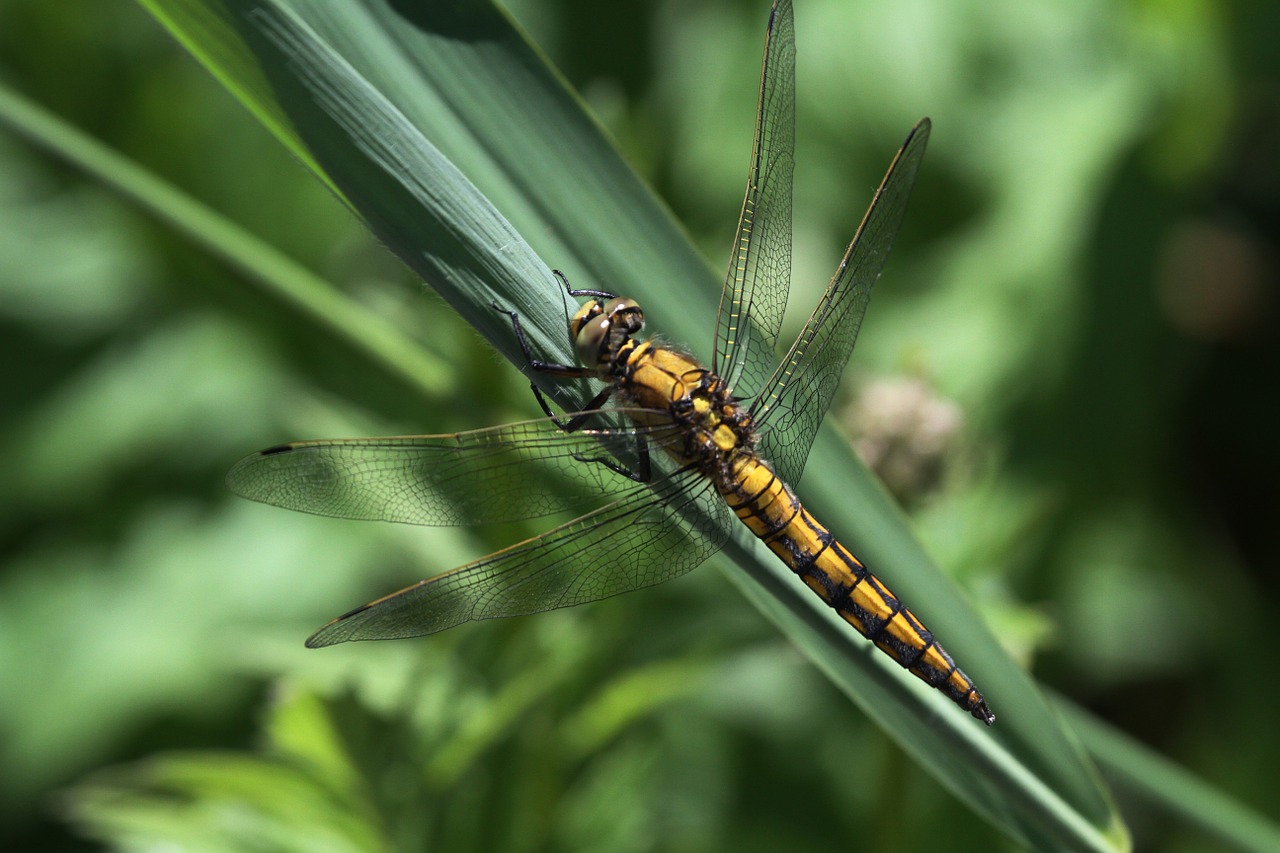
[299, 795]
[275, 273]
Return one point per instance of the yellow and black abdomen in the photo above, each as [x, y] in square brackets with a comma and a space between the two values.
[773, 513]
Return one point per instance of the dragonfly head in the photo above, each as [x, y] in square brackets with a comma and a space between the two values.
[599, 328]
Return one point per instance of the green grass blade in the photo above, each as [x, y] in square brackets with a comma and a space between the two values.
[202, 28]
[1171, 788]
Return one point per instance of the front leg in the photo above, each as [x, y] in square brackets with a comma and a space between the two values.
[569, 289]
[568, 371]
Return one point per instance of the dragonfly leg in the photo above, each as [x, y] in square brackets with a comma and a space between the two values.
[643, 472]
[551, 368]
[576, 422]
[599, 294]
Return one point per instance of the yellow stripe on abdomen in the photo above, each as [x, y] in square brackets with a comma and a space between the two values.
[773, 513]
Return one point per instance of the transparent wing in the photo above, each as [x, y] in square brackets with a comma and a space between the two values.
[650, 534]
[795, 399]
[755, 287]
[517, 471]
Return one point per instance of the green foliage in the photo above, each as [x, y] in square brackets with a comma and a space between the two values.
[143, 613]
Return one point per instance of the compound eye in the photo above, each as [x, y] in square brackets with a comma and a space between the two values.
[589, 311]
[625, 313]
[590, 342]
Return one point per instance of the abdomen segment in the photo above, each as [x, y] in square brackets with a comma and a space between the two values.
[773, 513]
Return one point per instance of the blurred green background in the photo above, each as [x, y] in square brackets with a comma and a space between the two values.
[1082, 313]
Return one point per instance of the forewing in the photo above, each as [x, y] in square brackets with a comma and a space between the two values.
[755, 288]
[650, 534]
[517, 471]
[795, 399]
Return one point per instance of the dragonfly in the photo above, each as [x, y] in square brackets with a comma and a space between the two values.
[665, 460]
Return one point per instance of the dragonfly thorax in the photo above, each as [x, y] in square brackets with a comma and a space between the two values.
[669, 387]
[600, 329]
[720, 433]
